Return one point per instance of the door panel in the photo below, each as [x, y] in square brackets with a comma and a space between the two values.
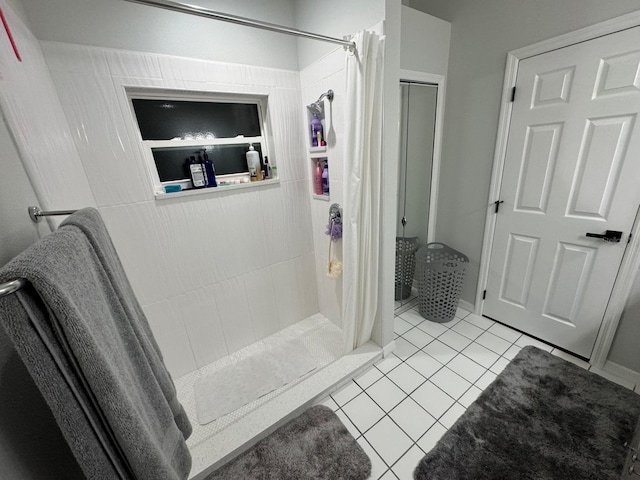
[572, 166]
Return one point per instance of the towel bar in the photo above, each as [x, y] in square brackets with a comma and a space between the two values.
[8, 288]
[36, 214]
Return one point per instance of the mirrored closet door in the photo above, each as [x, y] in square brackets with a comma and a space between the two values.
[417, 128]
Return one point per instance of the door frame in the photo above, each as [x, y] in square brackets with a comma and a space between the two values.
[439, 81]
[631, 258]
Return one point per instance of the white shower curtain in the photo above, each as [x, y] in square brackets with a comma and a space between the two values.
[362, 188]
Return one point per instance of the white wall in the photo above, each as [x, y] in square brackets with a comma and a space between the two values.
[626, 343]
[31, 444]
[333, 18]
[424, 42]
[122, 25]
[217, 271]
[482, 34]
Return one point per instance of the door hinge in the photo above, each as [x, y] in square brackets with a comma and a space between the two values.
[513, 94]
[497, 204]
[484, 294]
[629, 240]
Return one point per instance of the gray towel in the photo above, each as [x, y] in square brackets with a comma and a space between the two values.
[90, 222]
[117, 380]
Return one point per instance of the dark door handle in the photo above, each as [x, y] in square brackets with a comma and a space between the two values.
[613, 236]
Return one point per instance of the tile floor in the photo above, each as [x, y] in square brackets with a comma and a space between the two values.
[398, 409]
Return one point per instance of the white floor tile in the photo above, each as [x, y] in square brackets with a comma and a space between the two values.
[504, 332]
[432, 328]
[451, 322]
[470, 396]
[441, 352]
[450, 383]
[368, 378]
[329, 402]
[400, 326]
[424, 364]
[406, 378]
[512, 352]
[418, 337]
[388, 363]
[412, 316]
[451, 416]
[454, 340]
[485, 380]
[462, 313]
[388, 440]
[432, 399]
[480, 354]
[404, 349]
[412, 418]
[363, 412]
[466, 368]
[429, 439]
[404, 467]
[478, 321]
[347, 423]
[570, 358]
[386, 394]
[493, 342]
[499, 365]
[346, 393]
[465, 328]
[378, 467]
[526, 340]
[389, 475]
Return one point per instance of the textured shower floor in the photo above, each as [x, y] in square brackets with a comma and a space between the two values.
[212, 444]
[319, 335]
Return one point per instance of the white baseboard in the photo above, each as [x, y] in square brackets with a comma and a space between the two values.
[388, 348]
[622, 372]
[467, 306]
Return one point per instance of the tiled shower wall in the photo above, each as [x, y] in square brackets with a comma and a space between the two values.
[327, 73]
[214, 272]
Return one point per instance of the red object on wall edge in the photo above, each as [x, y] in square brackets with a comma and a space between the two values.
[6, 28]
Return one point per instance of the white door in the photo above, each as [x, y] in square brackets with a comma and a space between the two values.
[572, 166]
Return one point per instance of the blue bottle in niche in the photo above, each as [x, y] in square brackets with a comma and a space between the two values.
[210, 171]
[325, 180]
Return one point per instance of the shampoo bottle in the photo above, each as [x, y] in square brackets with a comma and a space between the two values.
[317, 178]
[325, 180]
[253, 164]
[267, 169]
[196, 173]
[317, 134]
[211, 173]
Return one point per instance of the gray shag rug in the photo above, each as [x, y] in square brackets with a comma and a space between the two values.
[542, 418]
[315, 445]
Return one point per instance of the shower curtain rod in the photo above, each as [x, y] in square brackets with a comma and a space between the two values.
[248, 22]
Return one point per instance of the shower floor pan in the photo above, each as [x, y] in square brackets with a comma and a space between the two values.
[215, 443]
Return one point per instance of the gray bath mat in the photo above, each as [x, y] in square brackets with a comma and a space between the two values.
[315, 445]
[542, 418]
[230, 387]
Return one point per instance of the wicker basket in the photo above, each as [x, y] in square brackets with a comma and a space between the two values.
[405, 265]
[441, 273]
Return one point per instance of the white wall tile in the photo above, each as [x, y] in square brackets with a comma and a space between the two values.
[307, 285]
[287, 295]
[199, 312]
[231, 297]
[171, 335]
[262, 302]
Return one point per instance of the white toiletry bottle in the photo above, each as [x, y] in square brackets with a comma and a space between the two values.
[253, 164]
